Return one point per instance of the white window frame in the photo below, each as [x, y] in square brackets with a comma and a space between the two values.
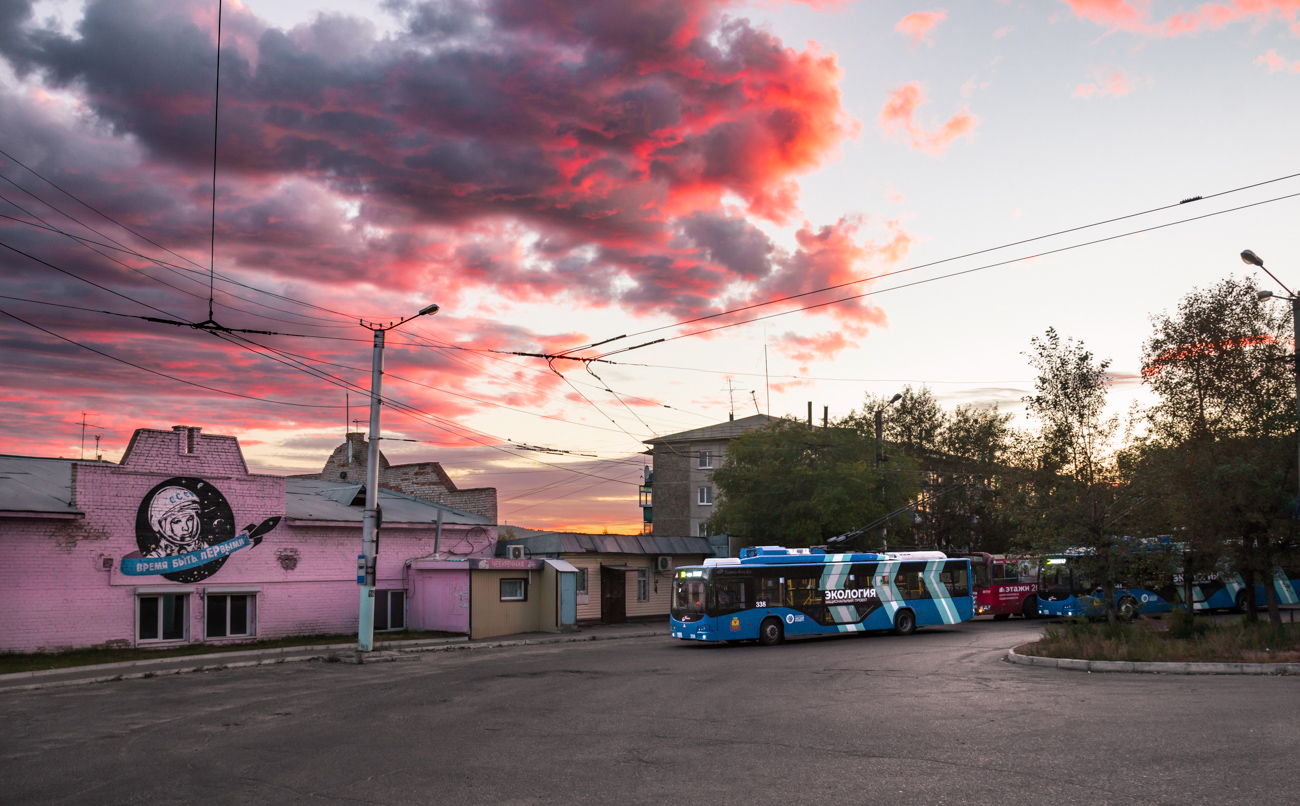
[523, 586]
[702, 529]
[705, 497]
[143, 593]
[389, 609]
[706, 460]
[251, 616]
[643, 584]
[582, 582]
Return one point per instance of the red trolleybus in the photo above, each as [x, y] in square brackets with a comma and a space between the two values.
[1003, 586]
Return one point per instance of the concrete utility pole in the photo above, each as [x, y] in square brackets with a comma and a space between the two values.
[1255, 260]
[366, 561]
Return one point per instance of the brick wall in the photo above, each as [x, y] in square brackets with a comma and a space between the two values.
[55, 594]
[425, 480]
[672, 502]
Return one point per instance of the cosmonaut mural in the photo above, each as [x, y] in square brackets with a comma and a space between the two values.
[185, 531]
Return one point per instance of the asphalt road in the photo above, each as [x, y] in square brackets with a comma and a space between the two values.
[934, 718]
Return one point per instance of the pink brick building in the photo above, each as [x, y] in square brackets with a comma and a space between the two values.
[179, 543]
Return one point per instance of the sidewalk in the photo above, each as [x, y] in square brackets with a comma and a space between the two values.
[389, 651]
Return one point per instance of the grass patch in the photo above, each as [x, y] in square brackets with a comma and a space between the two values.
[37, 661]
[1175, 641]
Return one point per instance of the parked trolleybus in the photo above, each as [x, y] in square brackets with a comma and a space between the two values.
[1004, 587]
[1066, 587]
[771, 593]
[1226, 590]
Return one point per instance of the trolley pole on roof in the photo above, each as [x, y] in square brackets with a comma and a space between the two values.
[366, 561]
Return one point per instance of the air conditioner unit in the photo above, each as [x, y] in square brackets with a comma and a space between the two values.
[515, 552]
[663, 564]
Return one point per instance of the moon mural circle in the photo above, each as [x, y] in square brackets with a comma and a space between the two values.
[181, 515]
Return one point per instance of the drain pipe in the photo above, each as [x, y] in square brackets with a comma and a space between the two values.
[437, 536]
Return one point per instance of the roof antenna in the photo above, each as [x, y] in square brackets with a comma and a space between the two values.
[767, 382]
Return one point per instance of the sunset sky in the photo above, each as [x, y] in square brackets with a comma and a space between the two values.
[555, 174]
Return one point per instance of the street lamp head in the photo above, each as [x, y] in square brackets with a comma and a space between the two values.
[1263, 295]
[897, 397]
[428, 311]
[1252, 258]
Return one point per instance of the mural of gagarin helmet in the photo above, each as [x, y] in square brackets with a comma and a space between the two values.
[174, 515]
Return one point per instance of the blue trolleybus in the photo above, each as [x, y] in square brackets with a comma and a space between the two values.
[1227, 590]
[1067, 588]
[771, 593]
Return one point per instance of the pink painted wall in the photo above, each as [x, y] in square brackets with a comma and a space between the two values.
[55, 594]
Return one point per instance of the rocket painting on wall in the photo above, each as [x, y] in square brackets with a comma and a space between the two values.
[185, 531]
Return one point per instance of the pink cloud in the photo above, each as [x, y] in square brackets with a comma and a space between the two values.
[918, 25]
[1115, 83]
[1277, 64]
[1135, 15]
[898, 118]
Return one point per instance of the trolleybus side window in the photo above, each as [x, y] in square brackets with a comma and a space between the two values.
[908, 581]
[729, 595]
[767, 582]
[953, 577]
[1006, 574]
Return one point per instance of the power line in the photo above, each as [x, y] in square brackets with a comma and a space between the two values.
[216, 115]
[927, 265]
[146, 239]
[958, 273]
[115, 245]
[164, 374]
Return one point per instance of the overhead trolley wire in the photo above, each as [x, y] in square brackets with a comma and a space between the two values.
[986, 250]
[950, 275]
[199, 267]
[164, 374]
[116, 245]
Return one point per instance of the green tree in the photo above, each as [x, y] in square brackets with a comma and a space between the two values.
[1076, 496]
[970, 451]
[1218, 465]
[792, 485]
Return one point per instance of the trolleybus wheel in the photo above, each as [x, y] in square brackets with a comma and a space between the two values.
[904, 622]
[1128, 608]
[770, 632]
[1030, 608]
[1242, 604]
[1001, 616]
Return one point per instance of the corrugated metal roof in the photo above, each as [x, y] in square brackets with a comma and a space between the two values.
[577, 543]
[727, 430]
[31, 484]
[316, 500]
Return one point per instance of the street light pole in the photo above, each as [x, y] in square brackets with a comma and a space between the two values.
[370, 521]
[1253, 259]
[880, 430]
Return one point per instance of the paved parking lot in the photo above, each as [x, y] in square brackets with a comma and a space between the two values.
[932, 718]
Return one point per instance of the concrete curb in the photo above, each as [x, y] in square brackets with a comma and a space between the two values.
[335, 653]
[216, 656]
[1135, 667]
